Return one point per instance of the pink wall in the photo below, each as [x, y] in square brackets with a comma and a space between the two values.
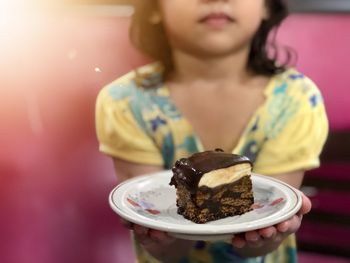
[54, 183]
[323, 46]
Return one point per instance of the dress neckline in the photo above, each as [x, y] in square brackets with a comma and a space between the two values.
[267, 91]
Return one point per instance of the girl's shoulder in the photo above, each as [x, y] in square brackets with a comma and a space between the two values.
[293, 83]
[141, 80]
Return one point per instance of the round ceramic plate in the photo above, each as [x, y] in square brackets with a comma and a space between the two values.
[150, 201]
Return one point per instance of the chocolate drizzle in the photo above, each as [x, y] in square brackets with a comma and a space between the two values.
[189, 171]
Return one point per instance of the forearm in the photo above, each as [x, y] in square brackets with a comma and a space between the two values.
[170, 253]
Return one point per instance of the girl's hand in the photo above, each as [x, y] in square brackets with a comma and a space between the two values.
[272, 236]
[149, 237]
[159, 244]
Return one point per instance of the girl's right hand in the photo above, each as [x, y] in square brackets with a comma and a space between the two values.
[149, 237]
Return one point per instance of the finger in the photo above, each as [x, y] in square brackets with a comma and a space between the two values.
[141, 235]
[290, 226]
[140, 230]
[294, 223]
[145, 240]
[160, 236]
[255, 244]
[253, 239]
[306, 205]
[278, 237]
[283, 226]
[238, 241]
[268, 232]
[252, 236]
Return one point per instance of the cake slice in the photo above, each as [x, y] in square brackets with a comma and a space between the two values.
[211, 185]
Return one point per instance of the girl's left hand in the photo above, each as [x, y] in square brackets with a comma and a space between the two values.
[273, 234]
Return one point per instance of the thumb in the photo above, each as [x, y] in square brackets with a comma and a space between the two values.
[305, 206]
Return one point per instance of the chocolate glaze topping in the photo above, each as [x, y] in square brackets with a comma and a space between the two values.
[188, 171]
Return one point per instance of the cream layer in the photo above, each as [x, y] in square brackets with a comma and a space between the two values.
[225, 175]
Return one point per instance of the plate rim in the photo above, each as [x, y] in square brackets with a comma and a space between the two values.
[198, 231]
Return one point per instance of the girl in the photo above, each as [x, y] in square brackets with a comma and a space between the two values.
[213, 86]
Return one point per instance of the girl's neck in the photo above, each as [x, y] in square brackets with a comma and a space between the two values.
[189, 68]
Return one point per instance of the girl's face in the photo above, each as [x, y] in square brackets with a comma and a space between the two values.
[211, 27]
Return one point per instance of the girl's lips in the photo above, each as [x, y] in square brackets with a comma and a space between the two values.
[216, 20]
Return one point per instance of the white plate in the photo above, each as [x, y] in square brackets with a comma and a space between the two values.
[150, 201]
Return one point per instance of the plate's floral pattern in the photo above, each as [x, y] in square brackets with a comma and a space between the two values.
[142, 206]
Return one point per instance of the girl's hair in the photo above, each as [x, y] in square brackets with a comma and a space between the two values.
[151, 38]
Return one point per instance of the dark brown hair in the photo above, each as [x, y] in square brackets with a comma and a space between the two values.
[259, 60]
[151, 38]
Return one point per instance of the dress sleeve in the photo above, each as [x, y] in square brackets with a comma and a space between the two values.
[299, 144]
[119, 134]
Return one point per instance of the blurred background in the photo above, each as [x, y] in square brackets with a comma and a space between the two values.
[54, 58]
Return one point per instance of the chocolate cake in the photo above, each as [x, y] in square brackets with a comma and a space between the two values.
[211, 185]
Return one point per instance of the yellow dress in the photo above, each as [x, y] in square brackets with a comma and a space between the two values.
[137, 121]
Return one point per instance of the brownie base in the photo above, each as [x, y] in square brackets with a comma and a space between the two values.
[209, 204]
